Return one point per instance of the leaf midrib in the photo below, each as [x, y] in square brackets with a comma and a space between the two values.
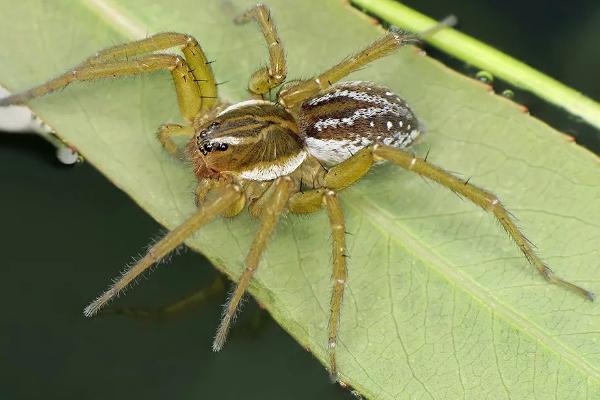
[385, 222]
[115, 17]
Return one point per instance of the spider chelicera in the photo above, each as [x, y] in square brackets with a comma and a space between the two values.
[294, 154]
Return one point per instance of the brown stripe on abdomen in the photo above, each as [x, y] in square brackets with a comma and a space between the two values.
[352, 115]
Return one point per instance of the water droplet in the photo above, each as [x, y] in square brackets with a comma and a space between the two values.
[509, 94]
[485, 76]
[68, 155]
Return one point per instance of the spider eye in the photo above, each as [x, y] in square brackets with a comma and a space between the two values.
[223, 146]
[205, 148]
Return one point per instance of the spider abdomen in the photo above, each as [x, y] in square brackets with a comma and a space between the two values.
[352, 115]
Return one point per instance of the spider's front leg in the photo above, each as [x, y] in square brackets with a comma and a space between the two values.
[274, 207]
[480, 197]
[224, 198]
[269, 77]
[193, 77]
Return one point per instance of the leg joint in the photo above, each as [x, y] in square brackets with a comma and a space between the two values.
[178, 60]
[190, 40]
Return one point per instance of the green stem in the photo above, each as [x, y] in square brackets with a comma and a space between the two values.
[487, 58]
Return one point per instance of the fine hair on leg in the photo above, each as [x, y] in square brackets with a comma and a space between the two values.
[269, 217]
[293, 95]
[268, 77]
[194, 79]
[339, 274]
[222, 200]
[483, 199]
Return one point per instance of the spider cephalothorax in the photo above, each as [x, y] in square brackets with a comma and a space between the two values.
[256, 140]
[293, 154]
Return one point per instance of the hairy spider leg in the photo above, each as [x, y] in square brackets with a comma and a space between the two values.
[268, 77]
[193, 53]
[295, 94]
[188, 93]
[339, 273]
[480, 197]
[337, 178]
[269, 217]
[194, 80]
[224, 198]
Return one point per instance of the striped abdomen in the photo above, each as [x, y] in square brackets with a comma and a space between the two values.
[352, 115]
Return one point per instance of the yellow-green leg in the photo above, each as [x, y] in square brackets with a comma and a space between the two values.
[188, 92]
[208, 187]
[222, 201]
[293, 95]
[337, 178]
[311, 201]
[483, 199]
[270, 215]
[266, 78]
[193, 53]
[339, 274]
[199, 65]
[123, 56]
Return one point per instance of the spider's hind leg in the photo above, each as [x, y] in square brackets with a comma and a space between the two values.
[480, 197]
[295, 94]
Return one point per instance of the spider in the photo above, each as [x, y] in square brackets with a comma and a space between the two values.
[293, 154]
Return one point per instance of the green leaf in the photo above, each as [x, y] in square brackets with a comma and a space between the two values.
[487, 58]
[440, 304]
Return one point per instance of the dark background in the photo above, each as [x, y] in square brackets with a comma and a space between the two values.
[48, 350]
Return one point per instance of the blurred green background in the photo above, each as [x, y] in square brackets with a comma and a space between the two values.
[49, 350]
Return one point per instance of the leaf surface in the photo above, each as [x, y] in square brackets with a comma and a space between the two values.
[440, 304]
